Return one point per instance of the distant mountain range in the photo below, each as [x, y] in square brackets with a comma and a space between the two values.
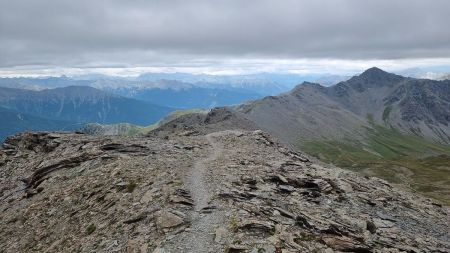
[201, 90]
[70, 107]
[428, 73]
[264, 83]
[177, 90]
[194, 97]
[41, 83]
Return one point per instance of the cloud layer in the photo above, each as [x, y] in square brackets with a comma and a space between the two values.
[102, 33]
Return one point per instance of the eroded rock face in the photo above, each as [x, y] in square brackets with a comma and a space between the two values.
[239, 191]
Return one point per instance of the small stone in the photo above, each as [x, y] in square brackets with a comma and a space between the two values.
[181, 200]
[323, 185]
[269, 248]
[237, 248]
[219, 234]
[136, 218]
[379, 223]
[343, 243]
[285, 213]
[148, 196]
[144, 248]
[167, 219]
[132, 247]
[282, 179]
[249, 180]
[371, 227]
[159, 250]
[256, 226]
[286, 188]
[254, 250]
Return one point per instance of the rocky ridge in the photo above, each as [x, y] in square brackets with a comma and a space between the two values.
[191, 190]
[346, 110]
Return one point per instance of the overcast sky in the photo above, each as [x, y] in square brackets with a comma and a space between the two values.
[229, 36]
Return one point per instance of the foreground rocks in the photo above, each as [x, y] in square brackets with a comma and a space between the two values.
[78, 193]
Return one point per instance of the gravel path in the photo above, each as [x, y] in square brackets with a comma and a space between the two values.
[198, 187]
[199, 238]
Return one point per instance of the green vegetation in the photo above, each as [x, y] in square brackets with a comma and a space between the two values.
[234, 223]
[130, 187]
[90, 229]
[130, 130]
[149, 128]
[386, 113]
[409, 160]
[178, 113]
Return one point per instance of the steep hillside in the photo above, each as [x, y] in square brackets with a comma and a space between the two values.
[377, 123]
[81, 104]
[226, 191]
[304, 113]
[412, 106]
[13, 122]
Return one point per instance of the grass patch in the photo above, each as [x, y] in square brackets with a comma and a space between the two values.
[418, 164]
[234, 223]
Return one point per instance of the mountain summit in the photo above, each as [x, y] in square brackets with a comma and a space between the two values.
[343, 110]
[374, 73]
[373, 78]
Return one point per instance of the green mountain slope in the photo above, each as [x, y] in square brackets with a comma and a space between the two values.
[412, 161]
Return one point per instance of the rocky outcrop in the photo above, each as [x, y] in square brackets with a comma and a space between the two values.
[123, 129]
[220, 118]
[227, 191]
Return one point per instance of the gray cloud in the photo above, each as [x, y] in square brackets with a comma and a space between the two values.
[86, 33]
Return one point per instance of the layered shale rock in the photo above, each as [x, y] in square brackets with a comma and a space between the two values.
[191, 190]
